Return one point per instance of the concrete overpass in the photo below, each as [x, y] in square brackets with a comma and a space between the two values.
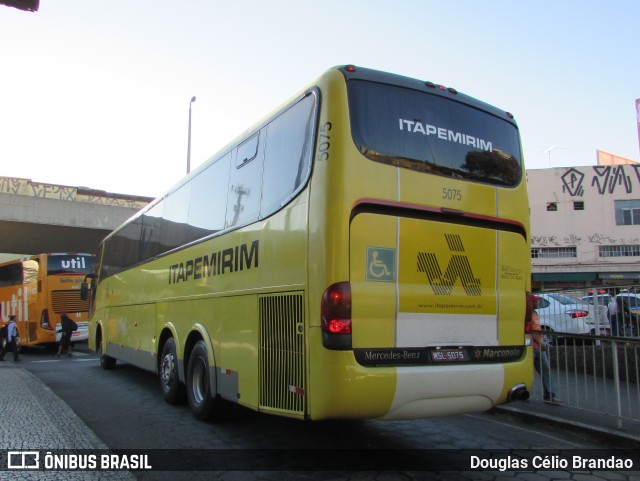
[37, 217]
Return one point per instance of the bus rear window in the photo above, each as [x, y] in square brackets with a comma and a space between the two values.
[428, 133]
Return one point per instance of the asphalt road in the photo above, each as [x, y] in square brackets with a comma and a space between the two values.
[125, 409]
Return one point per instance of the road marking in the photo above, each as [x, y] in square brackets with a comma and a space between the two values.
[527, 430]
[64, 359]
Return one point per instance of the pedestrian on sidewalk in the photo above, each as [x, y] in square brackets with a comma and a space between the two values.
[68, 326]
[541, 359]
[616, 314]
[12, 339]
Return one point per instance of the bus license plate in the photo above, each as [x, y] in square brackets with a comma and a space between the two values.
[449, 355]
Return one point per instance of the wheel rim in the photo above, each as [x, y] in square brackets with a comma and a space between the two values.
[199, 381]
[167, 369]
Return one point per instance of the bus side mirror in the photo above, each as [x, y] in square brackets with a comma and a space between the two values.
[84, 290]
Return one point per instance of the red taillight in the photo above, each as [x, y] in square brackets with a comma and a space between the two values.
[339, 326]
[336, 316]
[576, 314]
[336, 309]
[350, 68]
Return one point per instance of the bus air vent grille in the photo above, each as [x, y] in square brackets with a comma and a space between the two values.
[282, 379]
[69, 300]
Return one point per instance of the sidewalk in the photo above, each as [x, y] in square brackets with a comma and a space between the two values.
[589, 406]
[34, 418]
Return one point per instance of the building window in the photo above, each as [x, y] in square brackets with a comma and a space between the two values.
[620, 251]
[552, 206]
[627, 212]
[579, 205]
[553, 252]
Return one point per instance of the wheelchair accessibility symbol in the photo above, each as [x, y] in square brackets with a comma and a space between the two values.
[381, 264]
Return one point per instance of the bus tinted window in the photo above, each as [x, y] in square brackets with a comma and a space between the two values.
[175, 211]
[150, 237]
[123, 250]
[288, 155]
[10, 275]
[425, 132]
[207, 208]
[245, 183]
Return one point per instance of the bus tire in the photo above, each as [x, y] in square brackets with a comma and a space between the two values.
[172, 388]
[106, 362]
[201, 401]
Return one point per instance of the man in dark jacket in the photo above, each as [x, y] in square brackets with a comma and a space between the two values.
[68, 326]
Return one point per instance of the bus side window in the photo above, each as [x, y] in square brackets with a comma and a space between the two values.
[245, 182]
[208, 205]
[288, 153]
[175, 212]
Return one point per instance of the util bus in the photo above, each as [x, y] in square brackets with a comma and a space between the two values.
[362, 252]
[36, 289]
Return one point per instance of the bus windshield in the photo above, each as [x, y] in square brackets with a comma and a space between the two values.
[69, 264]
[429, 133]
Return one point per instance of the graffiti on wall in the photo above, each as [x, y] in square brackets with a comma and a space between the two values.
[17, 186]
[576, 240]
[606, 179]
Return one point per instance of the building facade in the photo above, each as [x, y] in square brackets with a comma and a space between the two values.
[585, 226]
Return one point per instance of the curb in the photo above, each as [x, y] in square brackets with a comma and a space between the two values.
[613, 437]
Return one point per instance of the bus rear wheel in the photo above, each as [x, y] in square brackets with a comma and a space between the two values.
[204, 404]
[198, 384]
[172, 388]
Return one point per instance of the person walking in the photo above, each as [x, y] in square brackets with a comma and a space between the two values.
[541, 360]
[68, 326]
[12, 339]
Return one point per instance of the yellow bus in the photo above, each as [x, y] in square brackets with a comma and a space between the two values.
[362, 252]
[36, 289]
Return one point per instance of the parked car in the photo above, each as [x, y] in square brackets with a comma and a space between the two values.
[603, 299]
[564, 314]
[629, 301]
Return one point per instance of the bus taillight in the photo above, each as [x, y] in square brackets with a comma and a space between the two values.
[336, 316]
[44, 320]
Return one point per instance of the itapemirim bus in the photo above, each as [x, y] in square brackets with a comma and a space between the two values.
[36, 289]
[361, 253]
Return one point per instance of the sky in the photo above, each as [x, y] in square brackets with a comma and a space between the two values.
[97, 94]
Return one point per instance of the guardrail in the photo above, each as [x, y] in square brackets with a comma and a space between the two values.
[595, 373]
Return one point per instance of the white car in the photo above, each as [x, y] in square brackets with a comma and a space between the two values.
[564, 314]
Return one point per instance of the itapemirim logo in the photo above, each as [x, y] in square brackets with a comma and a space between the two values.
[458, 267]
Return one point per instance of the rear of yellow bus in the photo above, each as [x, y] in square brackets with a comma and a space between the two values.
[419, 258]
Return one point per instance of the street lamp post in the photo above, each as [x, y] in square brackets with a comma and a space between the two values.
[193, 99]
